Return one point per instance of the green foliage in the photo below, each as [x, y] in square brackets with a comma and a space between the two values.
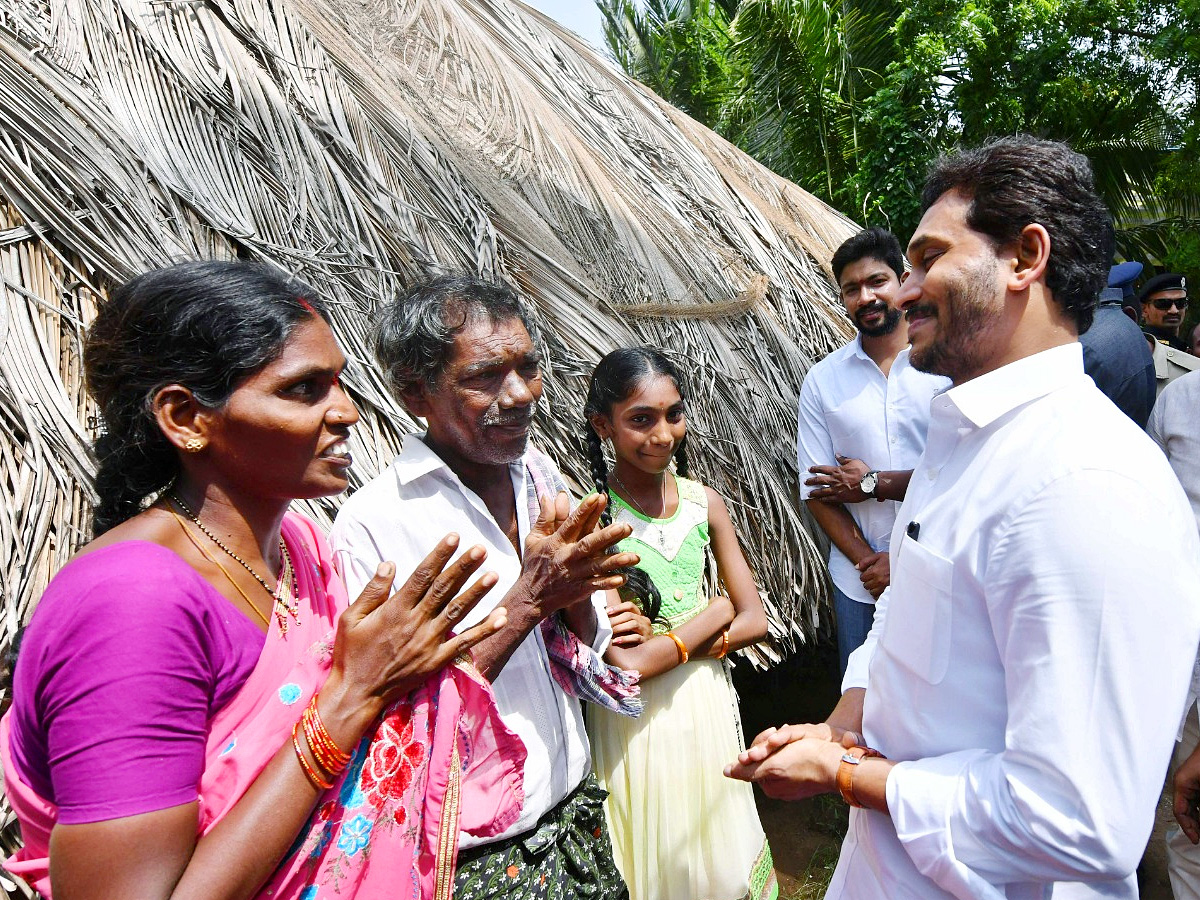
[852, 100]
[677, 48]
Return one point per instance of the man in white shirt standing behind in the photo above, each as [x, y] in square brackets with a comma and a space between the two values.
[1175, 426]
[1028, 666]
[459, 353]
[863, 402]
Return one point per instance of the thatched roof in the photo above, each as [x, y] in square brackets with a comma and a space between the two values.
[365, 145]
[368, 144]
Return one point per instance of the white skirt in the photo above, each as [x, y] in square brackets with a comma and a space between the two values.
[680, 829]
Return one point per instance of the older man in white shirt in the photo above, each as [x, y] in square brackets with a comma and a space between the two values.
[458, 352]
[1028, 665]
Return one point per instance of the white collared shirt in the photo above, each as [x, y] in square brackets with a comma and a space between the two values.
[1175, 426]
[1029, 662]
[400, 516]
[849, 407]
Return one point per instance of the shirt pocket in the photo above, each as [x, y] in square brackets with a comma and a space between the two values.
[855, 424]
[920, 611]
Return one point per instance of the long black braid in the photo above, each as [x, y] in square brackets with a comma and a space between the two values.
[681, 462]
[615, 377]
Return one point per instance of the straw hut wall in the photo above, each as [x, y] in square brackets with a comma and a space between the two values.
[364, 144]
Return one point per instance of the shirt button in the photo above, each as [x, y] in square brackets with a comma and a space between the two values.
[678, 593]
[931, 474]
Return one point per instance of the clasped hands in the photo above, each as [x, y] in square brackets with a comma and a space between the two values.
[794, 762]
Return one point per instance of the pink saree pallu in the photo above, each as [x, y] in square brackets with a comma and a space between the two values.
[439, 761]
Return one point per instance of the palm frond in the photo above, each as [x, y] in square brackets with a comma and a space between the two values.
[365, 145]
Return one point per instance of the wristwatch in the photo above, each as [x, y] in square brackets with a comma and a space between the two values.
[848, 766]
[869, 482]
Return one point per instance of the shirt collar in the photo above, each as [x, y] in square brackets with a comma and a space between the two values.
[416, 460]
[984, 399]
[862, 354]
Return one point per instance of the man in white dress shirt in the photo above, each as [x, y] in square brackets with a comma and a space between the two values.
[1028, 666]
[863, 402]
[458, 352]
[1175, 426]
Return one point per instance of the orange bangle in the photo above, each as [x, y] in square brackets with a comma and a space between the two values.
[724, 644]
[848, 767]
[682, 647]
[309, 772]
[325, 751]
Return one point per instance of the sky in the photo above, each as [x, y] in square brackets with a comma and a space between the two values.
[581, 16]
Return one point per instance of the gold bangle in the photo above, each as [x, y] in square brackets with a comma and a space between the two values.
[325, 751]
[724, 644]
[309, 772]
[682, 647]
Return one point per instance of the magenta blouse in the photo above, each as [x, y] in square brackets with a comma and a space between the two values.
[128, 656]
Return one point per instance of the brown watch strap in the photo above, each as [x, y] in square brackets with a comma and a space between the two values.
[846, 769]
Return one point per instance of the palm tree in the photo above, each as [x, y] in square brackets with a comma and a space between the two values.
[853, 99]
[677, 48]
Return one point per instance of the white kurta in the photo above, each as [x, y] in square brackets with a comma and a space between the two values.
[400, 516]
[1029, 663]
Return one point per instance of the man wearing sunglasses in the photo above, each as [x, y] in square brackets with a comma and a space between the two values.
[1164, 305]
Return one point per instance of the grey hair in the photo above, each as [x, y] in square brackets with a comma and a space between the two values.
[416, 332]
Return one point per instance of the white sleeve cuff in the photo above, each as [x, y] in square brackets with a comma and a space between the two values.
[604, 630]
[922, 797]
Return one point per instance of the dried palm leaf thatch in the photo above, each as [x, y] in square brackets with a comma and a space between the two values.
[364, 144]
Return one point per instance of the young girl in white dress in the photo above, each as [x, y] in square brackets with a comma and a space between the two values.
[680, 829]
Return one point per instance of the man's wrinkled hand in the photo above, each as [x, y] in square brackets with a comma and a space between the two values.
[567, 557]
[840, 483]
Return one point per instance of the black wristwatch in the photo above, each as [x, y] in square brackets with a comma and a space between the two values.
[869, 483]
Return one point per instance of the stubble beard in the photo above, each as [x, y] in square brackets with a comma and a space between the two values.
[956, 350]
[497, 453]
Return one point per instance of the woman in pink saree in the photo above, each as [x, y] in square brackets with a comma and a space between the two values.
[197, 711]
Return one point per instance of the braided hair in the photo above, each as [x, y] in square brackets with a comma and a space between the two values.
[615, 377]
[205, 325]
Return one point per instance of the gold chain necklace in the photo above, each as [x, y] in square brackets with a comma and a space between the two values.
[633, 499]
[285, 585]
[653, 529]
[212, 559]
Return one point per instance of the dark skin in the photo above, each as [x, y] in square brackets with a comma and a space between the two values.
[478, 413]
[1187, 796]
[386, 645]
[646, 428]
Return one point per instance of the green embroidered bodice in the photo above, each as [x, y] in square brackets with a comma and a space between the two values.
[672, 550]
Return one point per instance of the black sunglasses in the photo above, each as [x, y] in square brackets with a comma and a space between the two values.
[1164, 304]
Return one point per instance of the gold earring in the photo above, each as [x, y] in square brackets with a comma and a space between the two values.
[193, 445]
